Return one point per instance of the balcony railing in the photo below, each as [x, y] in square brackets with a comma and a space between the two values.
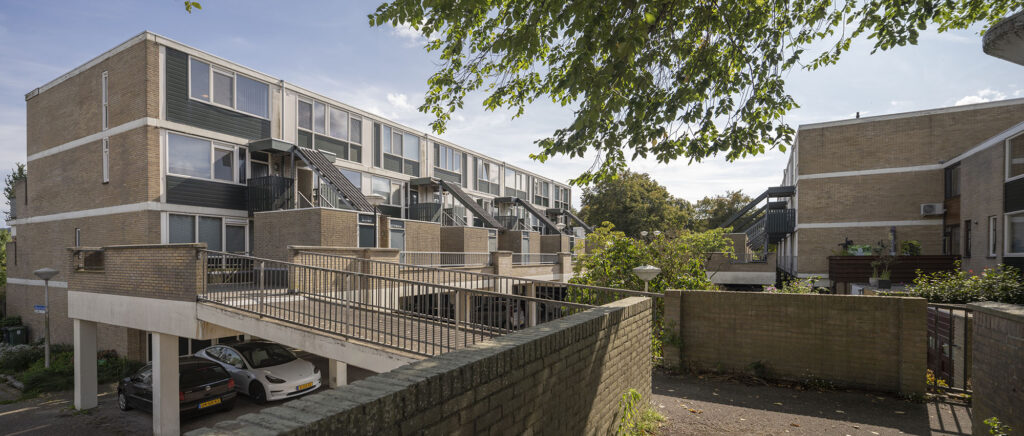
[534, 258]
[414, 315]
[442, 259]
[270, 193]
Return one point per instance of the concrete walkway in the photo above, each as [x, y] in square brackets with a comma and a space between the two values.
[716, 405]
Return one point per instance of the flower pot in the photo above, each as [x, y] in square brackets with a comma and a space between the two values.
[873, 281]
[884, 284]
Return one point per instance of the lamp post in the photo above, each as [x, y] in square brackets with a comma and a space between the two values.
[646, 273]
[46, 274]
[376, 200]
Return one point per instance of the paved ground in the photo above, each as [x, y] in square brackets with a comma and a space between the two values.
[54, 414]
[714, 405]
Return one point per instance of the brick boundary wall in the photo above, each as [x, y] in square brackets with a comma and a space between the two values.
[169, 272]
[998, 364]
[562, 377]
[876, 343]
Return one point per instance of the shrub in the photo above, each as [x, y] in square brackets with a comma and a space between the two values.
[59, 376]
[797, 286]
[1002, 284]
[19, 358]
[10, 321]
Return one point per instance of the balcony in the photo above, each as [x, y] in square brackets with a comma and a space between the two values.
[270, 193]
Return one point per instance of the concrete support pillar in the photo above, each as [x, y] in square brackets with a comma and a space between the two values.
[85, 364]
[337, 373]
[166, 407]
[502, 262]
[565, 265]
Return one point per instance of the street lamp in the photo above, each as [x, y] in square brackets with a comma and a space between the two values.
[646, 273]
[46, 274]
[376, 200]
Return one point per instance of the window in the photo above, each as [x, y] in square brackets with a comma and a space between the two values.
[542, 193]
[952, 246]
[104, 89]
[517, 184]
[260, 164]
[353, 176]
[253, 96]
[106, 160]
[339, 123]
[1015, 234]
[226, 88]
[967, 239]
[525, 248]
[305, 115]
[562, 197]
[992, 241]
[367, 231]
[319, 118]
[488, 179]
[396, 234]
[953, 181]
[201, 158]
[219, 234]
[1015, 157]
[395, 150]
[447, 158]
[492, 240]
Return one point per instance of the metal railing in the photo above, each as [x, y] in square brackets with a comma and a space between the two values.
[534, 258]
[544, 289]
[411, 315]
[443, 259]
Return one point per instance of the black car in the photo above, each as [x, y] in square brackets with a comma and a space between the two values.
[204, 386]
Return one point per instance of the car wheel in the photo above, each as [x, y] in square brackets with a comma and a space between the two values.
[257, 393]
[122, 401]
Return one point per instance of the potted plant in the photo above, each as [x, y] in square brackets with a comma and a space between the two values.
[880, 273]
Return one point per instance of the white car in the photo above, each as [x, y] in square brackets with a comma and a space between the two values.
[265, 371]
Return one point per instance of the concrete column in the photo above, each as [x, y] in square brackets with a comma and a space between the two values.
[565, 264]
[337, 373]
[502, 262]
[85, 364]
[166, 407]
[531, 306]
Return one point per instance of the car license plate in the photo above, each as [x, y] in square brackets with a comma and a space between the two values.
[212, 402]
[305, 386]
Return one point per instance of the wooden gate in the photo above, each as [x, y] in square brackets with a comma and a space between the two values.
[940, 342]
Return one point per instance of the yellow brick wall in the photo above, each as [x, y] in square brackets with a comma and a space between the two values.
[878, 197]
[981, 196]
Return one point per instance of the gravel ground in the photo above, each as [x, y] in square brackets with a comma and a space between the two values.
[719, 405]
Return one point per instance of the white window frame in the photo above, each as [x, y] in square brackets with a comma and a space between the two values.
[106, 160]
[236, 149]
[1008, 235]
[234, 88]
[992, 236]
[105, 114]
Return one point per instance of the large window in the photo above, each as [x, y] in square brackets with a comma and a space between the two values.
[396, 234]
[353, 176]
[228, 89]
[1014, 234]
[201, 158]
[447, 158]
[542, 193]
[993, 242]
[219, 234]
[389, 189]
[344, 129]
[488, 177]
[517, 184]
[1015, 157]
[953, 181]
[562, 197]
[396, 150]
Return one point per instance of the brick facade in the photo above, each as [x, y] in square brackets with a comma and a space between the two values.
[275, 231]
[979, 173]
[464, 239]
[998, 364]
[422, 236]
[816, 244]
[554, 243]
[875, 343]
[565, 377]
[166, 272]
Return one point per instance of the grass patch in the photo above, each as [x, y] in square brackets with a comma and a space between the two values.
[638, 418]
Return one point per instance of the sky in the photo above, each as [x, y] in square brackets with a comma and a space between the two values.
[329, 47]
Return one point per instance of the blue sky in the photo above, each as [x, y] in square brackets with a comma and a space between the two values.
[329, 47]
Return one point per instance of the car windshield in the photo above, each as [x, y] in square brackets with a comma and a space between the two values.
[263, 355]
[198, 375]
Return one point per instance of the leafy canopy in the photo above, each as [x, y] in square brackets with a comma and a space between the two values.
[19, 173]
[670, 79]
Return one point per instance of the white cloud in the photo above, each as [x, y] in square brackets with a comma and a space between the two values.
[982, 96]
[406, 31]
[400, 101]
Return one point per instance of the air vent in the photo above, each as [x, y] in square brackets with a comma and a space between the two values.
[932, 209]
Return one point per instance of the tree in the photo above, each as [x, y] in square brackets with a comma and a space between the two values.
[19, 173]
[634, 202]
[672, 79]
[612, 255]
[711, 212]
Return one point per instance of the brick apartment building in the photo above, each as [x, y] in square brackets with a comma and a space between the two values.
[948, 178]
[155, 142]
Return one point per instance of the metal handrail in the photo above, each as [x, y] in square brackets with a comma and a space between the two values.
[445, 259]
[479, 279]
[534, 258]
[413, 316]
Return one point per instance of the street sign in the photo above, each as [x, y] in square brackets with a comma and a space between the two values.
[40, 308]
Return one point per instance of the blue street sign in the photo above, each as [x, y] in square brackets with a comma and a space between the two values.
[40, 308]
